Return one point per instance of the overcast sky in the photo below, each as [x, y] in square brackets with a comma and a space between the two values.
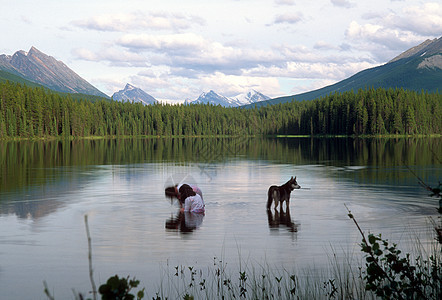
[177, 49]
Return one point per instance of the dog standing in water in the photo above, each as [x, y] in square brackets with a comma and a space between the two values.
[281, 193]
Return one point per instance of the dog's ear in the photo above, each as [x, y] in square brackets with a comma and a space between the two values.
[291, 178]
[295, 178]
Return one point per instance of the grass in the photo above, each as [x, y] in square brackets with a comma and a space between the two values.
[346, 277]
[255, 281]
[342, 279]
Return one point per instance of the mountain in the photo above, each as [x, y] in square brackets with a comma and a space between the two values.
[134, 94]
[419, 68]
[249, 97]
[7, 76]
[45, 70]
[213, 98]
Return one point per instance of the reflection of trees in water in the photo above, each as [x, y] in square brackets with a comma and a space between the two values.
[281, 219]
[18, 159]
[27, 165]
[184, 222]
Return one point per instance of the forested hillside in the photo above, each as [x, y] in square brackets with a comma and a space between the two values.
[27, 112]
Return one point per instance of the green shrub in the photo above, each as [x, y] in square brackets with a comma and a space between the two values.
[119, 289]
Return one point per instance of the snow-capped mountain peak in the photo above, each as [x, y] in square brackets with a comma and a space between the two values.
[214, 98]
[134, 94]
[129, 87]
[250, 97]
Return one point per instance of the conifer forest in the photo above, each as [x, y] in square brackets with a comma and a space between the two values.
[29, 112]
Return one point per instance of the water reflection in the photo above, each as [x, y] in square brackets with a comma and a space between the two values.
[33, 174]
[31, 209]
[47, 194]
[118, 183]
[281, 219]
[184, 222]
[32, 163]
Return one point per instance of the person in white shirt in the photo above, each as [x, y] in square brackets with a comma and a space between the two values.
[190, 200]
[195, 188]
[173, 191]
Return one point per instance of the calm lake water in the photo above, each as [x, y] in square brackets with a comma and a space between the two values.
[46, 189]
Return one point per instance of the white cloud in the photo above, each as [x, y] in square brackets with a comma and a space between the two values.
[290, 18]
[305, 54]
[382, 42]
[397, 30]
[285, 2]
[342, 3]
[85, 54]
[387, 36]
[114, 56]
[136, 20]
[303, 70]
[26, 20]
[357, 31]
[193, 52]
[322, 45]
[171, 42]
[424, 20]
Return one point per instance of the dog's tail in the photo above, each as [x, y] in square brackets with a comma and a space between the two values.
[269, 199]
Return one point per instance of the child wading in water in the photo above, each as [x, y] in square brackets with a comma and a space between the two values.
[191, 201]
[190, 197]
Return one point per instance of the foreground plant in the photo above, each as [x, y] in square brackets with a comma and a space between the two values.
[392, 276]
[119, 288]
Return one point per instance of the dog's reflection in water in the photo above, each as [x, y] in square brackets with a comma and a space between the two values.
[184, 222]
[281, 219]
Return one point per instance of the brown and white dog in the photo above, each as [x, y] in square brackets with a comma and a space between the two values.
[281, 193]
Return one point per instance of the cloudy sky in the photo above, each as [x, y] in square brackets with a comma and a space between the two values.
[175, 49]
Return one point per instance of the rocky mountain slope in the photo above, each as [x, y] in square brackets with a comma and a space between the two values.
[419, 68]
[133, 94]
[45, 70]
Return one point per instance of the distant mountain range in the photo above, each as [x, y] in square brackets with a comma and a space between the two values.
[133, 94]
[214, 98]
[35, 69]
[45, 70]
[419, 68]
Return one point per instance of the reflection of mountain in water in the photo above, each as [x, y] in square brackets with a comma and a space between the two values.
[44, 196]
[29, 207]
[34, 174]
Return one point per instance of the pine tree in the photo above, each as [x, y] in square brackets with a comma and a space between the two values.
[397, 123]
[2, 126]
[410, 121]
[380, 126]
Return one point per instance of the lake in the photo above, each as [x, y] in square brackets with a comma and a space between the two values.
[46, 189]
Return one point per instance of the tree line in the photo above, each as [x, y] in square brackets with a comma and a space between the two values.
[27, 112]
